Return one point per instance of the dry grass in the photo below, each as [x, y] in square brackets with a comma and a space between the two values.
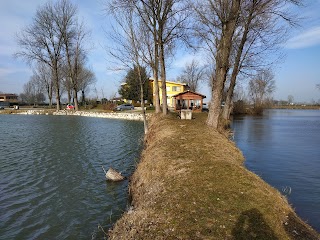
[191, 184]
[317, 107]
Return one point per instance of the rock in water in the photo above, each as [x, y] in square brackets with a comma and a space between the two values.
[113, 175]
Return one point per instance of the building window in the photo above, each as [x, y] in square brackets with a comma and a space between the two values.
[168, 89]
[176, 89]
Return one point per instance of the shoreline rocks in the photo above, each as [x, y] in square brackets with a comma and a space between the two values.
[34, 112]
[112, 115]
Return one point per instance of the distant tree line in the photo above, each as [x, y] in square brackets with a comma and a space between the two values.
[54, 45]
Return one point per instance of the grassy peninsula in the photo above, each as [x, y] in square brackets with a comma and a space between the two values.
[191, 184]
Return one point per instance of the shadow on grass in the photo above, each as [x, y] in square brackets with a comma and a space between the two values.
[251, 225]
[296, 229]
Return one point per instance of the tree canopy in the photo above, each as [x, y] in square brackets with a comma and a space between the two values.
[131, 88]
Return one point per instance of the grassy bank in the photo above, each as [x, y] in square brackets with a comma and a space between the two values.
[191, 184]
[303, 107]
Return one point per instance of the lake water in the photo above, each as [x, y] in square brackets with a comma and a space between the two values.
[52, 185]
[283, 148]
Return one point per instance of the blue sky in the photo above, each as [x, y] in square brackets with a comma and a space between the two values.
[297, 74]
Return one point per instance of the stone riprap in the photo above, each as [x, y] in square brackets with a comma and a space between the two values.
[34, 112]
[122, 115]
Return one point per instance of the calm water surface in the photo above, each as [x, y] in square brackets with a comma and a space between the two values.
[52, 185]
[282, 147]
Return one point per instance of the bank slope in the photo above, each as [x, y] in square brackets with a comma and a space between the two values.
[191, 184]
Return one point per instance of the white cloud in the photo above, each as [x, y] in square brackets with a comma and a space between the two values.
[308, 38]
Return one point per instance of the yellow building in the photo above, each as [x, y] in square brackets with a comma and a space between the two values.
[8, 97]
[173, 88]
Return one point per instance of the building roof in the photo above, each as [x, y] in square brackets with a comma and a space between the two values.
[172, 82]
[188, 91]
[8, 94]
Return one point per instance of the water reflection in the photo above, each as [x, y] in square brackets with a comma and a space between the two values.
[51, 182]
[282, 147]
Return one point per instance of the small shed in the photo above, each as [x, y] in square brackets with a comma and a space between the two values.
[188, 100]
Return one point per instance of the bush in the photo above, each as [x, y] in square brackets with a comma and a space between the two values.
[257, 110]
[109, 106]
[240, 107]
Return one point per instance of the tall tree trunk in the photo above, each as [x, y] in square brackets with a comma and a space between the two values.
[228, 105]
[145, 124]
[58, 96]
[215, 103]
[156, 78]
[57, 85]
[83, 100]
[69, 95]
[50, 102]
[236, 67]
[222, 64]
[163, 81]
[75, 95]
[49, 92]
[226, 112]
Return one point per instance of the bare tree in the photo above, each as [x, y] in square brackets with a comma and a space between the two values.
[147, 14]
[217, 21]
[244, 25]
[260, 88]
[41, 42]
[163, 20]
[290, 99]
[259, 32]
[229, 28]
[66, 83]
[67, 28]
[131, 49]
[75, 57]
[43, 74]
[54, 37]
[192, 74]
[33, 91]
[171, 16]
[86, 78]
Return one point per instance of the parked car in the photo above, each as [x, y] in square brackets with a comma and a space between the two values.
[1, 107]
[70, 107]
[205, 107]
[124, 107]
